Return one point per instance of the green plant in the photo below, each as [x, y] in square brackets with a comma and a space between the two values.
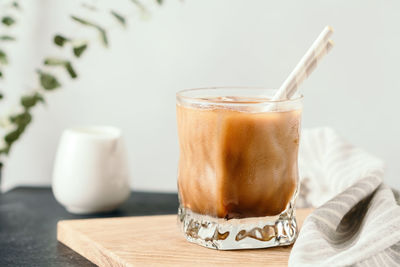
[15, 124]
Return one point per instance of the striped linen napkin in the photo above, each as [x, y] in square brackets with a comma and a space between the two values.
[357, 222]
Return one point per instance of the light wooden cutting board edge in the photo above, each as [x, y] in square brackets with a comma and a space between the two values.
[95, 252]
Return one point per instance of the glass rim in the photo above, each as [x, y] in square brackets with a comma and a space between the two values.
[180, 95]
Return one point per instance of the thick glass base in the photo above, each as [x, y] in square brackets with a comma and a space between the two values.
[247, 233]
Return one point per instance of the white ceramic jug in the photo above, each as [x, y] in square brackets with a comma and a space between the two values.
[91, 171]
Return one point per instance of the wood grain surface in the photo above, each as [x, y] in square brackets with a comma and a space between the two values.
[156, 240]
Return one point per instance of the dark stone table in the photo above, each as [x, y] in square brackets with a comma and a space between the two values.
[28, 221]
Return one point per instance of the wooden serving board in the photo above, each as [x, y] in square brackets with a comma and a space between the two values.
[156, 240]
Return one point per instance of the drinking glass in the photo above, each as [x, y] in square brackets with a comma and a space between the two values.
[238, 171]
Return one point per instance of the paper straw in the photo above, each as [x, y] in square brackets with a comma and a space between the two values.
[308, 69]
[307, 64]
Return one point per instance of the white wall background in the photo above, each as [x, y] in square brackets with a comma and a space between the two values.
[132, 85]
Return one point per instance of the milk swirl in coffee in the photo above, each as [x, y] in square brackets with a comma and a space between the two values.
[237, 162]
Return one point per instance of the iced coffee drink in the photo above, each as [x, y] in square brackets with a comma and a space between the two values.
[237, 173]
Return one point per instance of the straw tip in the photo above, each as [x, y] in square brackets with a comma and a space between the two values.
[330, 28]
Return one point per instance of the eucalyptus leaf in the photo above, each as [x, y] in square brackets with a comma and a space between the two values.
[7, 38]
[70, 69]
[40, 98]
[7, 20]
[160, 2]
[48, 81]
[29, 101]
[119, 17]
[82, 21]
[103, 36]
[61, 62]
[16, 5]
[13, 136]
[78, 50]
[1, 96]
[1, 74]
[3, 57]
[101, 30]
[54, 61]
[60, 40]
[22, 119]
